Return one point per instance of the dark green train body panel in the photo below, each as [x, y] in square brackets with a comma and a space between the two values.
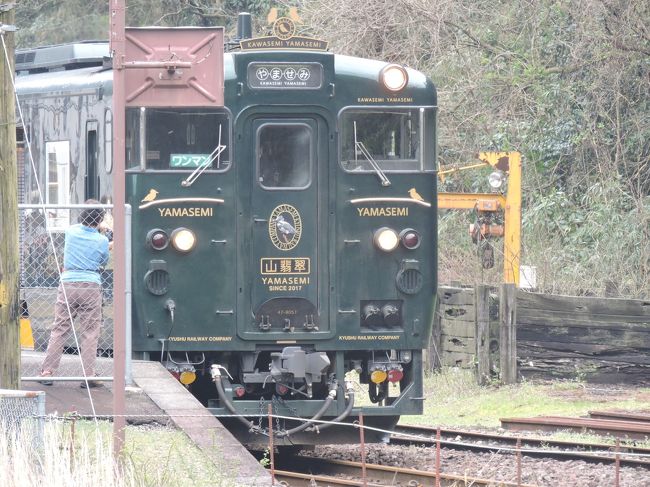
[222, 315]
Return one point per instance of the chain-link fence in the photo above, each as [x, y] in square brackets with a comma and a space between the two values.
[22, 412]
[41, 237]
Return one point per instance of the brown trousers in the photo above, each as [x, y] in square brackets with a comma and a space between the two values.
[85, 307]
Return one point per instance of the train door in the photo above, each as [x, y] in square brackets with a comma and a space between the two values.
[287, 261]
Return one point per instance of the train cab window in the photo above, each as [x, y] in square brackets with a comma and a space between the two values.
[389, 139]
[284, 155]
[177, 139]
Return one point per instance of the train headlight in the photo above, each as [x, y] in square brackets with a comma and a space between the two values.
[157, 239]
[183, 239]
[393, 77]
[410, 238]
[386, 239]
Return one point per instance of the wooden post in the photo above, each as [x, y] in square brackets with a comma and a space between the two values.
[9, 257]
[508, 333]
[482, 307]
[432, 353]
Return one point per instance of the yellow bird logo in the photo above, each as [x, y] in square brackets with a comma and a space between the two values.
[151, 195]
[415, 195]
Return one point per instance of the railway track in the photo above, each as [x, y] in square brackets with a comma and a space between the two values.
[312, 472]
[629, 455]
[621, 415]
[617, 428]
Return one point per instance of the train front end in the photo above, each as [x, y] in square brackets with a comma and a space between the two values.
[284, 245]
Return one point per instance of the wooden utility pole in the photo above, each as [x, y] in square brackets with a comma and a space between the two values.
[9, 263]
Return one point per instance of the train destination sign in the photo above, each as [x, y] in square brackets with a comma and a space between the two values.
[280, 76]
[189, 160]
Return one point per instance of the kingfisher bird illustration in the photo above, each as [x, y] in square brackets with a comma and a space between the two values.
[415, 195]
[285, 228]
[151, 195]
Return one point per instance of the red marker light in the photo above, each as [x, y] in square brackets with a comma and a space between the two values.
[395, 375]
[157, 239]
[410, 238]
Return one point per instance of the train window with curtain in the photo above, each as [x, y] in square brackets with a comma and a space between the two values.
[388, 138]
[178, 139]
[284, 155]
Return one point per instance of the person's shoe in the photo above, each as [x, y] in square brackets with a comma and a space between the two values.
[91, 384]
[45, 381]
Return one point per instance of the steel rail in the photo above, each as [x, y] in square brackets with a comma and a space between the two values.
[378, 475]
[618, 429]
[457, 440]
[621, 415]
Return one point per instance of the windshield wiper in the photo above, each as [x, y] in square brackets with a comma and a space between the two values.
[358, 146]
[214, 155]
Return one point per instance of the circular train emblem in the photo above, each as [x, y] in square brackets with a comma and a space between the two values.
[285, 227]
[284, 28]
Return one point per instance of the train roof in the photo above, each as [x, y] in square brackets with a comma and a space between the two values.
[349, 66]
[61, 57]
[82, 66]
[73, 81]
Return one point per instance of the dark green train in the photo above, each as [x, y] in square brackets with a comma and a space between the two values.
[283, 246]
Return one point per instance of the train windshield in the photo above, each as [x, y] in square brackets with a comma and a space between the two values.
[284, 155]
[177, 139]
[384, 140]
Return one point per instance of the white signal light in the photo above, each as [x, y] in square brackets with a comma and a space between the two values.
[393, 77]
[386, 239]
[496, 179]
[183, 239]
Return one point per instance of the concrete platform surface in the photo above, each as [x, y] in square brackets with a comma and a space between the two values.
[158, 397]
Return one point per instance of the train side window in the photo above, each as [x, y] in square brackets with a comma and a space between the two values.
[57, 182]
[132, 140]
[391, 138]
[284, 155]
[92, 171]
[108, 141]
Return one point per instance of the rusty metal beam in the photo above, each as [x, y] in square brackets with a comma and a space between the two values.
[468, 201]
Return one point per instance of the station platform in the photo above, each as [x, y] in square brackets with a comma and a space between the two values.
[156, 397]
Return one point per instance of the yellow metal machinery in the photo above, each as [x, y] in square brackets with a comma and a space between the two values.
[488, 205]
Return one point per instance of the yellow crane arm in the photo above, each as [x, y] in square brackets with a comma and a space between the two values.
[510, 163]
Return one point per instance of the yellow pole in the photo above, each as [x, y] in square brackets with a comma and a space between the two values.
[510, 162]
[512, 218]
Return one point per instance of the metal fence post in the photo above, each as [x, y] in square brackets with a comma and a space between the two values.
[40, 411]
[128, 291]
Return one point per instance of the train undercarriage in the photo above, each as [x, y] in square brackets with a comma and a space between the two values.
[312, 396]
